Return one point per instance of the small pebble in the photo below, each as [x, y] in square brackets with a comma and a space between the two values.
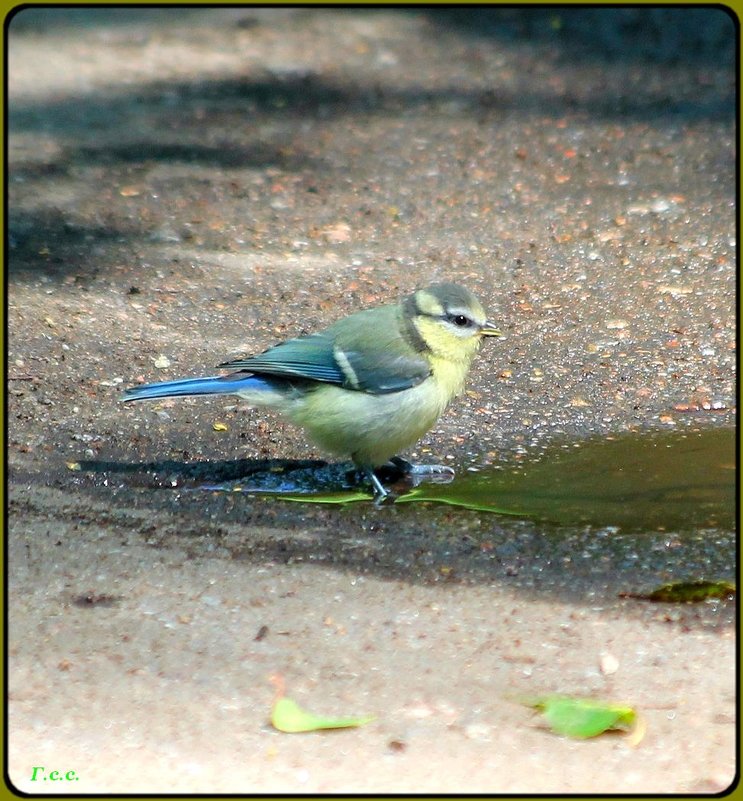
[608, 663]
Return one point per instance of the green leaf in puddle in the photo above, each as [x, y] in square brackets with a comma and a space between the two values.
[686, 592]
[288, 716]
[449, 495]
[326, 497]
[582, 718]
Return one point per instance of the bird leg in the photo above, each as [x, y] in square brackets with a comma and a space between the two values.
[380, 493]
[361, 472]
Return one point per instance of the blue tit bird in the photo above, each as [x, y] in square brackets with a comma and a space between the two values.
[368, 386]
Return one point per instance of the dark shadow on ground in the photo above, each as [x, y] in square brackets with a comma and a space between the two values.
[45, 19]
[171, 473]
[291, 97]
[49, 242]
[654, 35]
[56, 241]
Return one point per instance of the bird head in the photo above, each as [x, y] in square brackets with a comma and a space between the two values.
[448, 321]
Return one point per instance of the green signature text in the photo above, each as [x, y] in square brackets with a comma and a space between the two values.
[40, 773]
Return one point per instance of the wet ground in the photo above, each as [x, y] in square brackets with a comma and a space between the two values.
[187, 188]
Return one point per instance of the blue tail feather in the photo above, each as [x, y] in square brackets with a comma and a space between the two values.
[213, 385]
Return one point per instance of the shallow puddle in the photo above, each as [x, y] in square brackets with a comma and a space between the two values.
[640, 481]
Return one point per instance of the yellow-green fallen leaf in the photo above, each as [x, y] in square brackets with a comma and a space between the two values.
[74, 466]
[351, 496]
[583, 717]
[219, 427]
[686, 592]
[450, 495]
[288, 716]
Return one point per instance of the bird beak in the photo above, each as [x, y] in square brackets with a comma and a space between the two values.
[489, 330]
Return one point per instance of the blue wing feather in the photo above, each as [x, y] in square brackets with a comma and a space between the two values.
[213, 385]
[364, 352]
[309, 357]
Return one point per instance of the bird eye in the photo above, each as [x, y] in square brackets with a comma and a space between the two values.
[460, 320]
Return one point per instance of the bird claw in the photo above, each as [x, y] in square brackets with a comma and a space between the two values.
[419, 473]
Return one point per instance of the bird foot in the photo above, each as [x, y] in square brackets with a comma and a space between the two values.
[398, 469]
[418, 473]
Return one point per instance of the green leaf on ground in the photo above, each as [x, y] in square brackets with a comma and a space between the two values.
[692, 592]
[288, 716]
[583, 717]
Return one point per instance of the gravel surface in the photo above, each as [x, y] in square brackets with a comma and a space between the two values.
[186, 186]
